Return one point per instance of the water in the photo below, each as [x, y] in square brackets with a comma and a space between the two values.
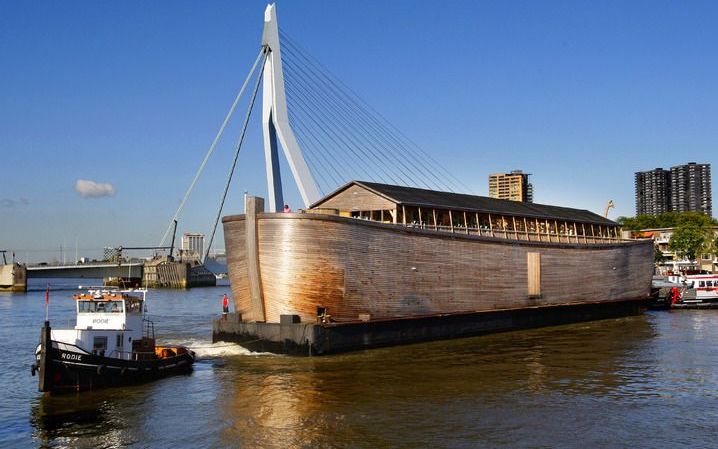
[646, 381]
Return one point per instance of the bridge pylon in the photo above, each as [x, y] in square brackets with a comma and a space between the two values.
[275, 123]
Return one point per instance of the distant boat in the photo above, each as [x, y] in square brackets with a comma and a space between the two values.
[112, 344]
[702, 287]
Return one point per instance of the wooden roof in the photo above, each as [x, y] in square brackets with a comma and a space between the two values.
[412, 196]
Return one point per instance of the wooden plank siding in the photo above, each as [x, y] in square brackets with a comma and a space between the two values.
[354, 267]
[358, 198]
[534, 274]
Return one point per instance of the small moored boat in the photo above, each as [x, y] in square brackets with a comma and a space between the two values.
[112, 344]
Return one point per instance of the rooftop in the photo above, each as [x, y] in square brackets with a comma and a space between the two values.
[412, 196]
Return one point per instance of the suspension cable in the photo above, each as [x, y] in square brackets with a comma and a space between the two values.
[236, 152]
[211, 147]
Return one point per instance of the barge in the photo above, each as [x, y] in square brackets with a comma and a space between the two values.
[375, 265]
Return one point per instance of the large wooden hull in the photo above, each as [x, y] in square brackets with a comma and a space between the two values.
[291, 264]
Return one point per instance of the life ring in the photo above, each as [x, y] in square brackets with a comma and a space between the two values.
[100, 370]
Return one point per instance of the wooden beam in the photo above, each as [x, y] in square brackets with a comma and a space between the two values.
[491, 226]
[451, 221]
[433, 211]
[253, 206]
[526, 229]
[538, 230]
[403, 212]
[575, 231]
[583, 227]
[478, 223]
[466, 223]
[548, 230]
[558, 231]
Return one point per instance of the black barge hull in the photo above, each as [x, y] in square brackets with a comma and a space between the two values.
[310, 339]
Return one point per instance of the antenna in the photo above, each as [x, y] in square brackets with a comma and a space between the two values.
[275, 123]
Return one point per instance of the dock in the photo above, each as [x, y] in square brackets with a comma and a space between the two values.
[13, 277]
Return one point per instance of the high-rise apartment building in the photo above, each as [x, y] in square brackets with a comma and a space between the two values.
[683, 188]
[691, 188]
[653, 192]
[193, 244]
[512, 186]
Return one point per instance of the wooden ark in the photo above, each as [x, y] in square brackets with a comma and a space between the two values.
[378, 252]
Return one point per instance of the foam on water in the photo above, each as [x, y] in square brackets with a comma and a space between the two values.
[208, 350]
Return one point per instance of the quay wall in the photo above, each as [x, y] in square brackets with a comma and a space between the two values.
[13, 277]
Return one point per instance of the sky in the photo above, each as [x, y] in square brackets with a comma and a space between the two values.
[107, 108]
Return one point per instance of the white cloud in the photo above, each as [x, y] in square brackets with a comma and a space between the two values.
[92, 189]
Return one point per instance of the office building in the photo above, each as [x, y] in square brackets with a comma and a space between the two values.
[683, 188]
[691, 188]
[512, 186]
[653, 192]
[193, 244]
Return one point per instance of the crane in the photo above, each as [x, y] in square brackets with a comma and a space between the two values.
[608, 206]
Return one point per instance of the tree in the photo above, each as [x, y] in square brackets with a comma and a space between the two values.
[689, 241]
[658, 256]
[666, 220]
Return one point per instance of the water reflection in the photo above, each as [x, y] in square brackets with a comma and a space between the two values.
[613, 383]
[290, 402]
[85, 420]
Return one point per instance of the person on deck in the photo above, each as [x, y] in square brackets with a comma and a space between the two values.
[675, 295]
[225, 304]
[287, 210]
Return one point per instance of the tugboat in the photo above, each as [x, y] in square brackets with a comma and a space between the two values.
[112, 344]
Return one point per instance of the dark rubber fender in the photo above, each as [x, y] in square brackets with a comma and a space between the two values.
[123, 371]
[33, 369]
[101, 370]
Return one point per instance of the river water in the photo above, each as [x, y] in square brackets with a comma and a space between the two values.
[644, 381]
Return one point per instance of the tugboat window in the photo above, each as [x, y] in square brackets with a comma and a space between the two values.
[99, 345]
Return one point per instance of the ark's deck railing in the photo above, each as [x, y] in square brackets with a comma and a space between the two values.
[495, 225]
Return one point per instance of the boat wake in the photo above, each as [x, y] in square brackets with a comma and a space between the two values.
[207, 350]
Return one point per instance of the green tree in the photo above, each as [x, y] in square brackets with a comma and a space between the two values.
[658, 256]
[689, 241]
[666, 220]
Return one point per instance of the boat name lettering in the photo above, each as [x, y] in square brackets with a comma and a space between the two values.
[66, 356]
[100, 320]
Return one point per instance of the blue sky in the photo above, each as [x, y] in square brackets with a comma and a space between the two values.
[580, 94]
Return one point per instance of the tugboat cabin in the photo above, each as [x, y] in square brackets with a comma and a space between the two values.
[108, 322]
[467, 214]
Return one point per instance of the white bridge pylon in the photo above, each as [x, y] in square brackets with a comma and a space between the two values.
[275, 123]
